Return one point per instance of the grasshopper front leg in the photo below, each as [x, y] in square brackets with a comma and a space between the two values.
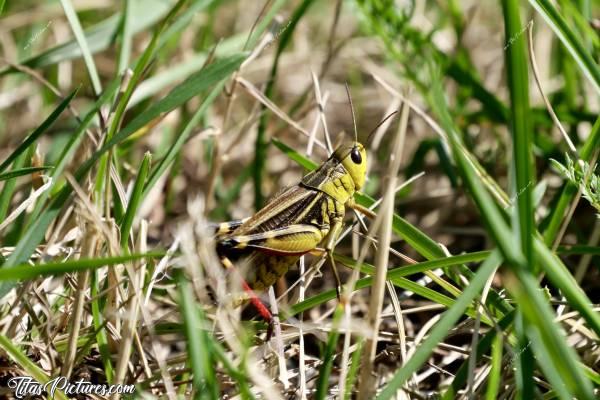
[334, 233]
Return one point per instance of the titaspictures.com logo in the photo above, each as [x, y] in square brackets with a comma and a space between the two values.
[23, 386]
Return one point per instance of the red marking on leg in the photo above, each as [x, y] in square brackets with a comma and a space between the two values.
[260, 307]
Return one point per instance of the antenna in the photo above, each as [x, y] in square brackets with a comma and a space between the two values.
[352, 110]
[390, 115]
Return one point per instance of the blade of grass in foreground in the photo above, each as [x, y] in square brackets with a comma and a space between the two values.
[15, 173]
[494, 377]
[441, 329]
[523, 182]
[26, 364]
[28, 271]
[328, 355]
[205, 383]
[355, 363]
[540, 323]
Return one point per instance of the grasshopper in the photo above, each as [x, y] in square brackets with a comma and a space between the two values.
[298, 220]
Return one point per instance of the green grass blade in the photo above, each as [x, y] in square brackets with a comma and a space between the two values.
[9, 188]
[198, 82]
[566, 196]
[560, 277]
[198, 350]
[260, 147]
[100, 326]
[579, 249]
[522, 169]
[26, 364]
[329, 354]
[441, 329]
[516, 66]
[85, 51]
[173, 150]
[570, 40]
[15, 173]
[558, 360]
[27, 271]
[293, 155]
[212, 74]
[99, 36]
[135, 200]
[125, 35]
[493, 384]
[29, 140]
[354, 364]
[71, 147]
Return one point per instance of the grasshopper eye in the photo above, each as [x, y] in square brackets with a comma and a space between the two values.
[355, 155]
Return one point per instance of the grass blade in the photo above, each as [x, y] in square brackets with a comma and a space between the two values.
[29, 140]
[24, 362]
[260, 147]
[15, 173]
[135, 200]
[125, 34]
[209, 76]
[570, 40]
[27, 271]
[328, 356]
[85, 51]
[173, 150]
[522, 167]
[9, 188]
[494, 377]
[99, 36]
[441, 329]
[199, 352]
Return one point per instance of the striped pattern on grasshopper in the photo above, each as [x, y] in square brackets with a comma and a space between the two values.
[297, 220]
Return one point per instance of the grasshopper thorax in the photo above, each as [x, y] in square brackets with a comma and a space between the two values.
[354, 159]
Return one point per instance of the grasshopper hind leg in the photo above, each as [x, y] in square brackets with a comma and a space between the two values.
[252, 297]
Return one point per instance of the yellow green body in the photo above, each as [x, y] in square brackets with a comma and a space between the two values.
[297, 220]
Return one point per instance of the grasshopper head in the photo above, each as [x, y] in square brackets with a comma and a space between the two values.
[354, 159]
